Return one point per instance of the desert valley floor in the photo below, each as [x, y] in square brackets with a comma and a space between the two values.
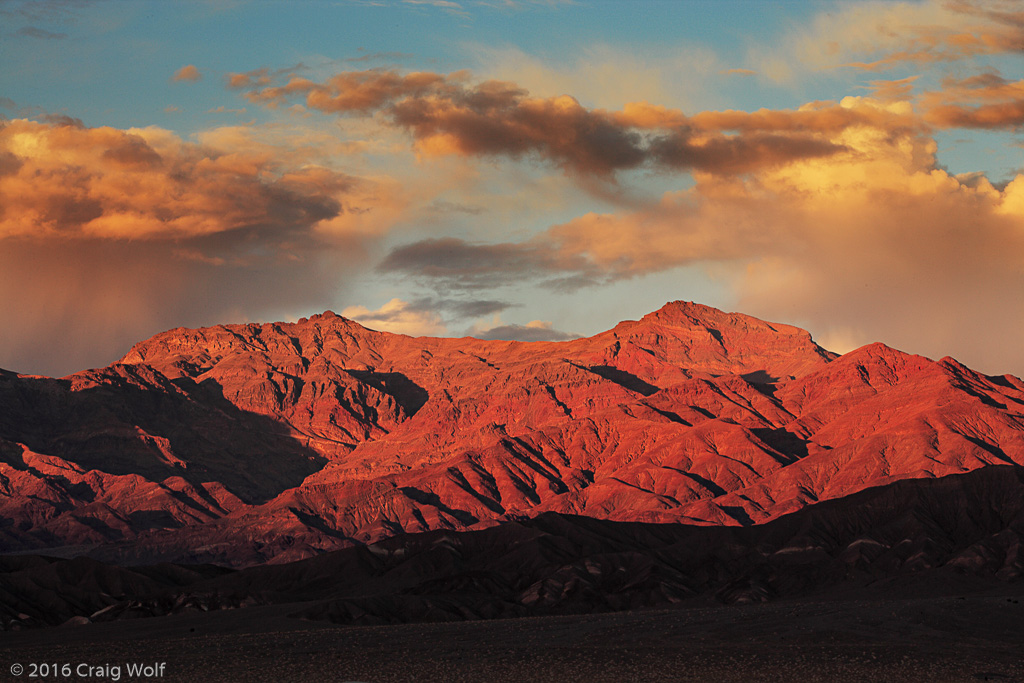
[972, 637]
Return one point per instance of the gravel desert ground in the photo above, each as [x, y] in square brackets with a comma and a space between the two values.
[971, 637]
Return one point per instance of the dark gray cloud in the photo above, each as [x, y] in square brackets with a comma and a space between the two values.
[450, 262]
[461, 263]
[529, 333]
[460, 309]
[476, 308]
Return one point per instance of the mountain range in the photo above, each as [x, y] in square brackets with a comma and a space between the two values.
[246, 444]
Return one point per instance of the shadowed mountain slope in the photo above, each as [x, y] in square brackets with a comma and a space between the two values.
[954, 535]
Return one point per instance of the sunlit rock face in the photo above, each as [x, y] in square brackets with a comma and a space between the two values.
[247, 443]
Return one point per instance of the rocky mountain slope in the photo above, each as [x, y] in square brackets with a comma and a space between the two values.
[951, 536]
[246, 443]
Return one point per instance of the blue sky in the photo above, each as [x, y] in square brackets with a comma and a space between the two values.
[889, 214]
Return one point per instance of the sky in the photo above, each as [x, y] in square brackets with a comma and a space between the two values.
[511, 169]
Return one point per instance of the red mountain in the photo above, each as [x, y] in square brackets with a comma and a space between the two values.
[242, 443]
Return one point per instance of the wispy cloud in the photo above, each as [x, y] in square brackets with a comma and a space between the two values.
[33, 32]
[448, 6]
[879, 35]
[224, 110]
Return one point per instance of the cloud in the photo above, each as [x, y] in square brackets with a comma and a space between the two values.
[452, 263]
[188, 72]
[608, 76]
[1008, 115]
[33, 32]
[109, 235]
[424, 316]
[148, 184]
[442, 206]
[875, 242]
[44, 10]
[537, 330]
[446, 114]
[920, 33]
[898, 90]
[453, 8]
[985, 100]
[259, 77]
[877, 35]
[399, 317]
[474, 308]
[224, 110]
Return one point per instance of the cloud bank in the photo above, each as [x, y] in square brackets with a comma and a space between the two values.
[108, 236]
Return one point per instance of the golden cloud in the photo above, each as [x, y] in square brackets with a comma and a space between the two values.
[71, 181]
[109, 235]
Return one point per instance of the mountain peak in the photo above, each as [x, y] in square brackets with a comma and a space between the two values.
[692, 314]
[718, 342]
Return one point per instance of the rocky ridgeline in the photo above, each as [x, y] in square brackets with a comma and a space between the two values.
[247, 443]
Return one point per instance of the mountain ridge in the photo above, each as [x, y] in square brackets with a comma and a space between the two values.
[272, 442]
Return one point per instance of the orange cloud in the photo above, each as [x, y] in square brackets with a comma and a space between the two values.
[73, 182]
[986, 100]
[187, 73]
[1000, 115]
[893, 91]
[448, 115]
[108, 235]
